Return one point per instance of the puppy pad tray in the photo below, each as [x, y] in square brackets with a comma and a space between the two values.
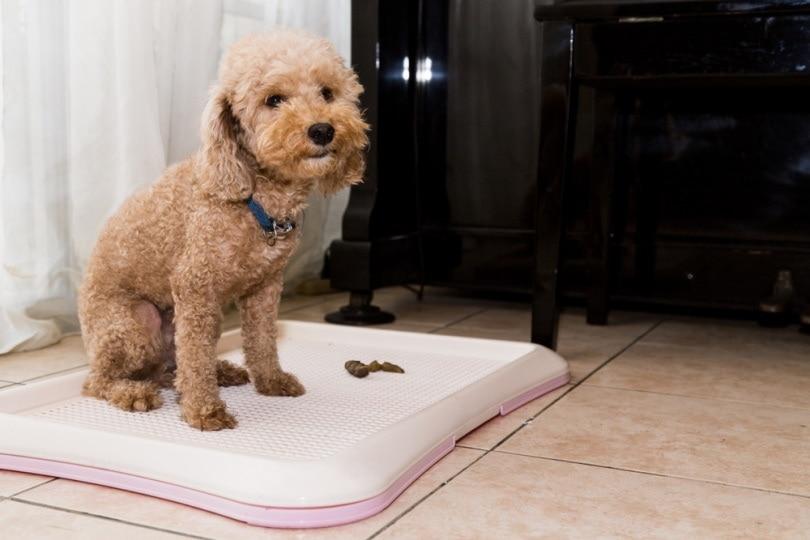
[341, 452]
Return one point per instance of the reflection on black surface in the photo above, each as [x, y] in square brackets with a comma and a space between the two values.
[732, 166]
[492, 113]
[717, 176]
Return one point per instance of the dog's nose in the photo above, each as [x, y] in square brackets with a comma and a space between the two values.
[321, 133]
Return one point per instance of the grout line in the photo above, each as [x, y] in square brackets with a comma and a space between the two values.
[581, 381]
[313, 304]
[658, 475]
[454, 322]
[426, 496]
[107, 518]
[32, 487]
[472, 447]
[60, 372]
[532, 418]
[569, 388]
[493, 449]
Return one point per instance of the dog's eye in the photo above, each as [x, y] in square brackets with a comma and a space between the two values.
[327, 94]
[274, 101]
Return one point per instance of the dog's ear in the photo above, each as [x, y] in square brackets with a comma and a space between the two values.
[224, 168]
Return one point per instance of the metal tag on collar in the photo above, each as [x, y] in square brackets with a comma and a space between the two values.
[283, 228]
[280, 230]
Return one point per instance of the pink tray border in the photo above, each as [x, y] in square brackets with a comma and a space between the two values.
[254, 514]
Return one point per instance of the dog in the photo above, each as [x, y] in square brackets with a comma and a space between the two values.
[282, 121]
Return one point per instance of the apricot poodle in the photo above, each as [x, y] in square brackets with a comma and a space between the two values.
[218, 227]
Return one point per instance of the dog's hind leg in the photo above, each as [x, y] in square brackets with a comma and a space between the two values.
[125, 345]
[229, 374]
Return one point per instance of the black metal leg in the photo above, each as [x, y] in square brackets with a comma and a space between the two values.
[351, 257]
[557, 120]
[602, 194]
[359, 311]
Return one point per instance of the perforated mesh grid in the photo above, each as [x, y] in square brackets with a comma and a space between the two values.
[337, 411]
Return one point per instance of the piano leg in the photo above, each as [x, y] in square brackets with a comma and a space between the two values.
[359, 311]
[558, 112]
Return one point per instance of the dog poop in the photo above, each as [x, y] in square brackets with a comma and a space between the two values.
[391, 368]
[374, 366]
[356, 368]
[360, 370]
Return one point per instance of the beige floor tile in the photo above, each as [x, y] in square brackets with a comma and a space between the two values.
[730, 335]
[733, 372]
[166, 515]
[393, 295]
[67, 354]
[24, 521]
[505, 496]
[316, 315]
[623, 326]
[443, 295]
[736, 443]
[12, 482]
[583, 355]
[312, 314]
[407, 326]
[493, 432]
[56, 374]
[290, 303]
[513, 319]
[232, 339]
[432, 311]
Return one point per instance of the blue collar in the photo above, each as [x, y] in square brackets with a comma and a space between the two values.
[268, 223]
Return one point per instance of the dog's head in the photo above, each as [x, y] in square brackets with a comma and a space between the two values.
[286, 106]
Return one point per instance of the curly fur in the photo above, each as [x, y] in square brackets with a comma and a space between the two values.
[172, 256]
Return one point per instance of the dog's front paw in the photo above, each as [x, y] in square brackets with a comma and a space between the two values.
[209, 417]
[280, 384]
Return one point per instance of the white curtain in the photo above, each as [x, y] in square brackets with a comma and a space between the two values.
[97, 98]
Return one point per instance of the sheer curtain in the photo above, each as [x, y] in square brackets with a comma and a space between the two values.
[97, 98]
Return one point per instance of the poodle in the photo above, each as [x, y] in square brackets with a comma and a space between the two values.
[283, 120]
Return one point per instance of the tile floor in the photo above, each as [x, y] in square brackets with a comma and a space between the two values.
[671, 428]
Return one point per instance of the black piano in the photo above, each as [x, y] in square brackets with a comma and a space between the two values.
[646, 154]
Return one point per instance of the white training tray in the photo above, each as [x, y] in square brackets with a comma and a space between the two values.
[341, 452]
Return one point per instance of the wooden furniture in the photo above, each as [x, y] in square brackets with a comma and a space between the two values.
[702, 51]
